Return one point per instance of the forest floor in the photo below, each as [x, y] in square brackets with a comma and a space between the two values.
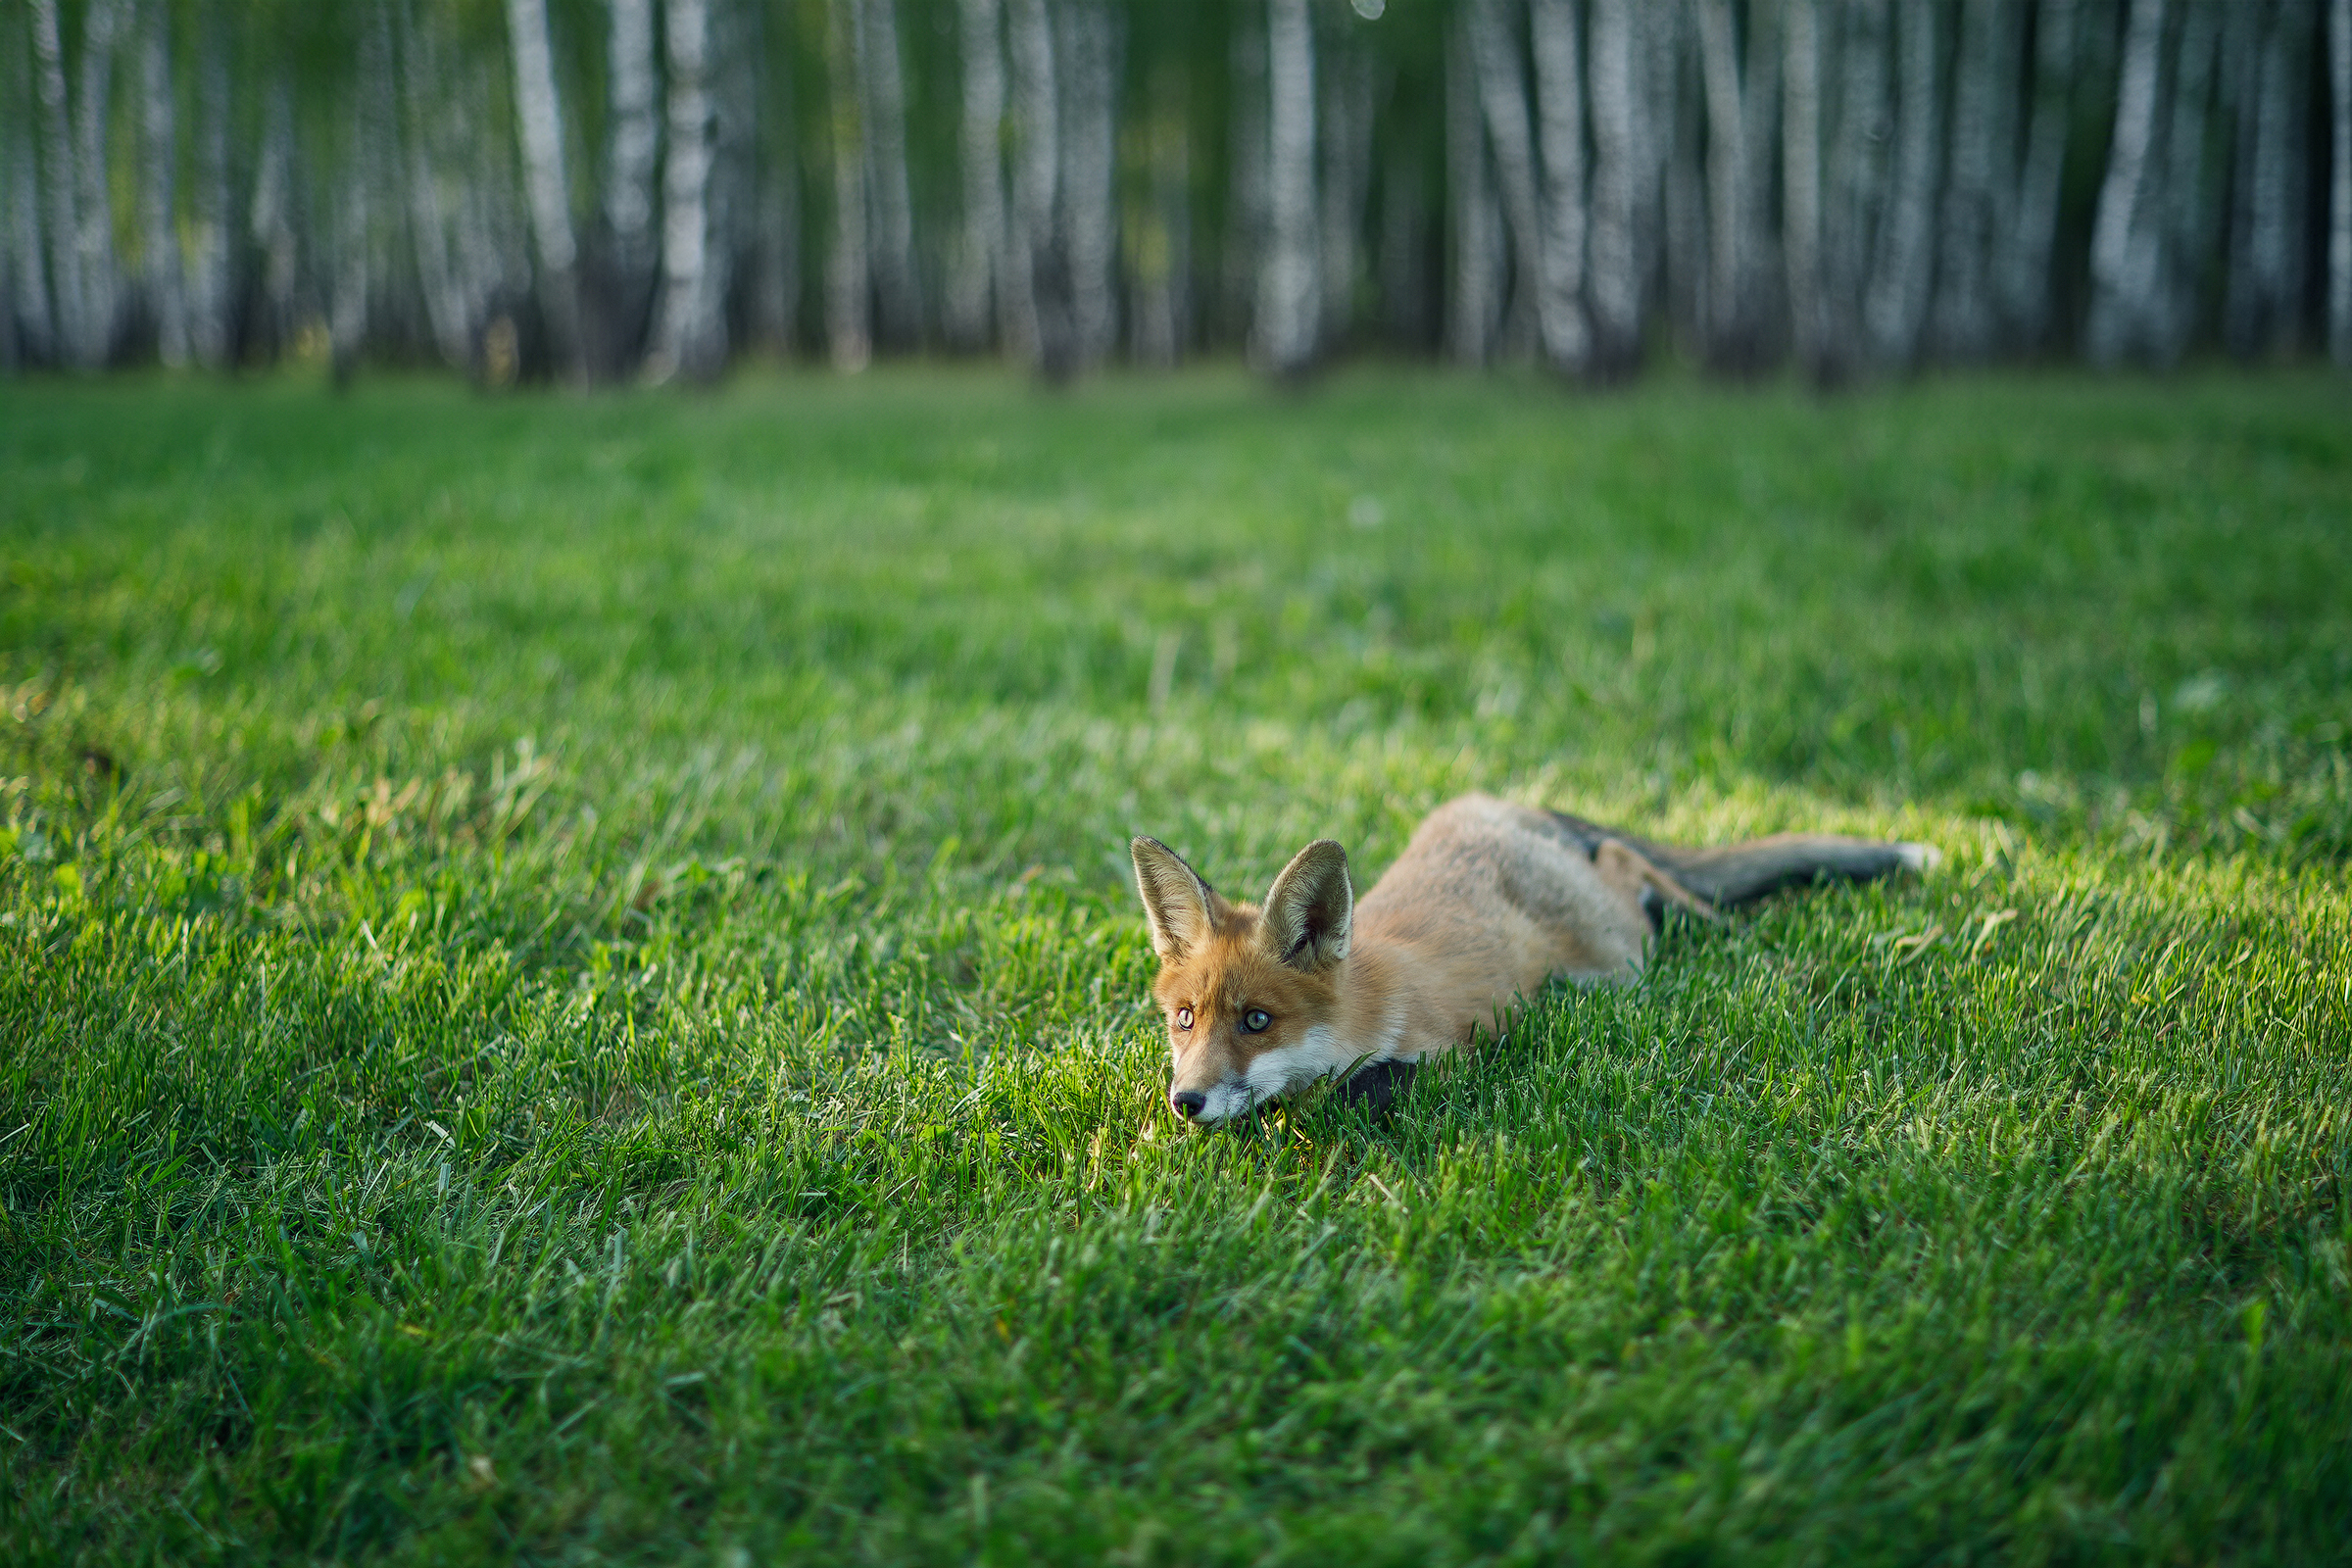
[571, 990]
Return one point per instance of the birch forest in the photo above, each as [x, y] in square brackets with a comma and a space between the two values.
[602, 191]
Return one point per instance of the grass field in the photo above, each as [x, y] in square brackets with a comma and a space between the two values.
[568, 988]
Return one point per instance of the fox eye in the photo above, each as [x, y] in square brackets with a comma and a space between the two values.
[1256, 1020]
[1184, 1017]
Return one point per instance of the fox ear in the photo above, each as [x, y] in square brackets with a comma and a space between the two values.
[1310, 909]
[1176, 902]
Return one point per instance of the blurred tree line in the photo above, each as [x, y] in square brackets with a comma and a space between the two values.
[602, 190]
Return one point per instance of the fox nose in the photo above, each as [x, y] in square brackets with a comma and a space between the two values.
[1189, 1103]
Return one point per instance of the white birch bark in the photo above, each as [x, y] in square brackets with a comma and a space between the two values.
[848, 268]
[633, 262]
[1288, 286]
[1729, 332]
[1618, 162]
[1895, 306]
[1502, 74]
[689, 328]
[1983, 82]
[2021, 270]
[1566, 331]
[2124, 245]
[539, 115]
[1801, 180]
[882, 118]
[1041, 331]
[33, 331]
[1089, 62]
[2340, 191]
[94, 209]
[1474, 295]
[67, 281]
[973, 272]
[1858, 183]
[159, 218]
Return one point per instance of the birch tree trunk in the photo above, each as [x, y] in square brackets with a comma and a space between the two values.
[882, 118]
[539, 115]
[67, 278]
[2339, 194]
[1983, 85]
[1729, 327]
[848, 266]
[2266, 275]
[973, 270]
[1566, 330]
[1857, 177]
[2125, 246]
[1617, 164]
[158, 156]
[1476, 295]
[1800, 182]
[1346, 102]
[1896, 304]
[1288, 308]
[1042, 330]
[2021, 272]
[1502, 98]
[1089, 61]
[689, 328]
[633, 253]
[34, 324]
[94, 240]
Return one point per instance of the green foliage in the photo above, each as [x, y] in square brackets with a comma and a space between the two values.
[569, 989]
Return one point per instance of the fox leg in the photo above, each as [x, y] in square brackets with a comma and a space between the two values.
[1632, 876]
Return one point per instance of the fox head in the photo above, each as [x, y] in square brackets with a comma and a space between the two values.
[1251, 992]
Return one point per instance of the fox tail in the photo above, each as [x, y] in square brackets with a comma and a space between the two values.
[1731, 874]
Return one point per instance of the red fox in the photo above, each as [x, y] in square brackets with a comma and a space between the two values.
[1487, 903]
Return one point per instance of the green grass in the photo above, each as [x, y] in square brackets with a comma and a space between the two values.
[568, 988]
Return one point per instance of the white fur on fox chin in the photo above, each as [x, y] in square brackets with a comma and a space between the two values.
[1319, 1053]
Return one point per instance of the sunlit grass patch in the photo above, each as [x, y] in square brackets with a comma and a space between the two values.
[569, 986]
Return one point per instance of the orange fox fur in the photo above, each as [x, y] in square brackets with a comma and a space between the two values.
[1487, 901]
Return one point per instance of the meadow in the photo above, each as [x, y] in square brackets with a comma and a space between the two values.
[570, 987]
